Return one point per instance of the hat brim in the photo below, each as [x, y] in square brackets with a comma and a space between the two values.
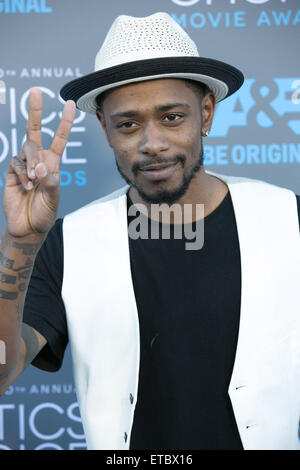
[221, 78]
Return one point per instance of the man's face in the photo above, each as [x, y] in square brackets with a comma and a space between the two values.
[154, 128]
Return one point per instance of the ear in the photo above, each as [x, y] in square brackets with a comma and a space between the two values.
[208, 110]
[101, 119]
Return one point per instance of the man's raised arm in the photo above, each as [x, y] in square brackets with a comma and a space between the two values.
[31, 198]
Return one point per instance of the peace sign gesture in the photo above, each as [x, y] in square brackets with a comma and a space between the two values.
[31, 194]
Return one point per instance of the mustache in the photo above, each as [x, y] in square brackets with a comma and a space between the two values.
[143, 165]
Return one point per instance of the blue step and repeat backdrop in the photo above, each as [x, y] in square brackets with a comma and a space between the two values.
[255, 133]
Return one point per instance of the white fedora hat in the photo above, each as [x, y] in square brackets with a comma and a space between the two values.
[139, 49]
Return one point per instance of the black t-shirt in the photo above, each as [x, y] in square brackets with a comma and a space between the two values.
[188, 305]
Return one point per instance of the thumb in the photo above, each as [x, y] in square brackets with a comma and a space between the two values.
[46, 179]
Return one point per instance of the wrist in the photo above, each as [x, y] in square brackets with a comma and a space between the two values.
[34, 238]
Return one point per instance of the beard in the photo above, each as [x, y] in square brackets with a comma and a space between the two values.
[165, 195]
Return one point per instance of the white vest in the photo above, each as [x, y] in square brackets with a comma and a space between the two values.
[103, 321]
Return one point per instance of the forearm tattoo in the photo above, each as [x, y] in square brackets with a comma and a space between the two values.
[27, 248]
[7, 278]
[8, 295]
[6, 262]
[18, 275]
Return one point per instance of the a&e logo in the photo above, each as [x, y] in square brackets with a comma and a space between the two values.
[269, 105]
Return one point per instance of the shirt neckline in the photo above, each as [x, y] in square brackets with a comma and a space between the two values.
[219, 211]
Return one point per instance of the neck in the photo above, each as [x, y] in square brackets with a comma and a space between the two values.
[204, 189]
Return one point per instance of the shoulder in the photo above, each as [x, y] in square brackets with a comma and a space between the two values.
[104, 215]
[245, 181]
[260, 190]
[97, 205]
[257, 193]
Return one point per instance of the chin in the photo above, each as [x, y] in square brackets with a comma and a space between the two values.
[162, 195]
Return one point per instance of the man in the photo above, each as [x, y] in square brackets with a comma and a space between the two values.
[172, 348]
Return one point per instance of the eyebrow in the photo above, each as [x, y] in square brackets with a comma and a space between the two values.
[163, 108]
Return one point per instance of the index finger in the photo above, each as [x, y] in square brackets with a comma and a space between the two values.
[33, 130]
[61, 136]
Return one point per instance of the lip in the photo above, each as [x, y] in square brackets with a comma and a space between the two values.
[159, 171]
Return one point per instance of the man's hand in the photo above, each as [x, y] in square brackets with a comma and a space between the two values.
[31, 194]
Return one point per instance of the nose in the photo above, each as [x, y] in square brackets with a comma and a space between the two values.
[153, 140]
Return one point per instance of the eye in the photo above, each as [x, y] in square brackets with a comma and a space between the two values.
[172, 117]
[126, 125]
